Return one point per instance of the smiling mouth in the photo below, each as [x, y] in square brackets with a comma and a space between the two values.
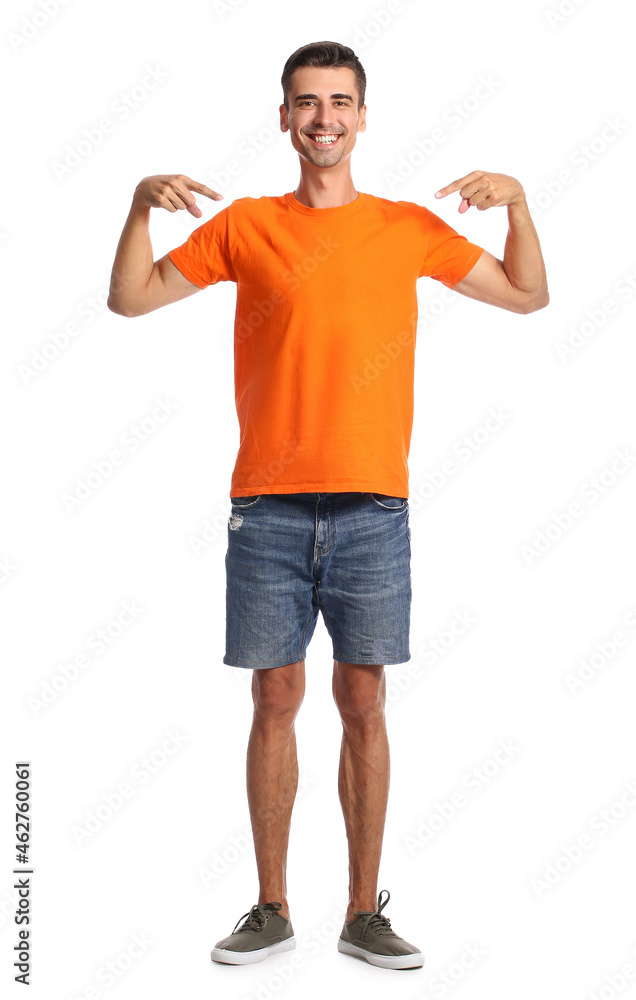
[323, 140]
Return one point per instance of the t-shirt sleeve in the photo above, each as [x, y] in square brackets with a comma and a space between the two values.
[206, 256]
[448, 256]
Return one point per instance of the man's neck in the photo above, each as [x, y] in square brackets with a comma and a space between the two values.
[315, 191]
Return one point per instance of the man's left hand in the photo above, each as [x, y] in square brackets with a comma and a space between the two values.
[484, 190]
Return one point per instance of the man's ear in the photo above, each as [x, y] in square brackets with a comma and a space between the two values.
[362, 119]
[283, 113]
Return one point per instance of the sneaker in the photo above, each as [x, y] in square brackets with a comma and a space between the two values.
[371, 937]
[264, 933]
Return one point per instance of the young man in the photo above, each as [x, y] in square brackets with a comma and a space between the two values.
[324, 348]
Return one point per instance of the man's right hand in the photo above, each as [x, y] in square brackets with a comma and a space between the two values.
[172, 192]
[138, 285]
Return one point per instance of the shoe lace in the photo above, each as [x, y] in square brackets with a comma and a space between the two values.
[375, 919]
[258, 916]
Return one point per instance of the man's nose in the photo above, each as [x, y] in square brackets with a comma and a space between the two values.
[322, 114]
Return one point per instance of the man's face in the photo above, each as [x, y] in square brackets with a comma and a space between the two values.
[323, 101]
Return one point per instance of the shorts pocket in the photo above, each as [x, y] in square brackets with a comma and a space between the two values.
[242, 502]
[389, 502]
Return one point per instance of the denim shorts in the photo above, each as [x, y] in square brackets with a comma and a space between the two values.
[291, 555]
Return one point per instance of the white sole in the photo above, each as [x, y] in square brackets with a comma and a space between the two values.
[249, 957]
[414, 961]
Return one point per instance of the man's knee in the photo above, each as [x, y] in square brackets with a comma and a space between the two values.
[278, 692]
[359, 693]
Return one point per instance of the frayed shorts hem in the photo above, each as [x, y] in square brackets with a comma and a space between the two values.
[389, 661]
[261, 666]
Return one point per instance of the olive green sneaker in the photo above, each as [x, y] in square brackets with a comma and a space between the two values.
[265, 932]
[370, 936]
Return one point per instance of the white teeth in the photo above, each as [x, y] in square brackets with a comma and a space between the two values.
[324, 139]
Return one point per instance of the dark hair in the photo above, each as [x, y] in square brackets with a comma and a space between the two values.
[324, 54]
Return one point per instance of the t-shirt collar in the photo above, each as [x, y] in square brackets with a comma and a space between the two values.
[351, 206]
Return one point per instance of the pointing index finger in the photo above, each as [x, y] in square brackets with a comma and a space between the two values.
[203, 189]
[192, 185]
[456, 185]
[448, 189]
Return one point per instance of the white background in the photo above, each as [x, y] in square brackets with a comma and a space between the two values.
[173, 864]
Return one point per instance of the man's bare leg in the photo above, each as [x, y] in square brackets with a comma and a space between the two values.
[363, 776]
[272, 773]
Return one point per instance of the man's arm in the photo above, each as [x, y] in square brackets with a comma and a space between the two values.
[137, 285]
[519, 282]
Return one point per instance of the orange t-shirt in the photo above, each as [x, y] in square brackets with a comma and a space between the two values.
[324, 334]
